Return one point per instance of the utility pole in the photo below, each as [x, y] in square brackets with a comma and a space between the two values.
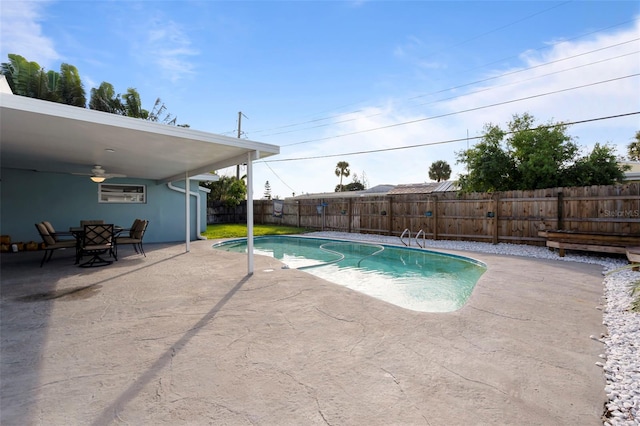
[240, 114]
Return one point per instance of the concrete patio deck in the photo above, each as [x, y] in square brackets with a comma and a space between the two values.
[189, 339]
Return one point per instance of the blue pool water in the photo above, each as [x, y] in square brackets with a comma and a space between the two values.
[415, 279]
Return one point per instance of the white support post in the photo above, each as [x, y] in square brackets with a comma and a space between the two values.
[250, 157]
[187, 214]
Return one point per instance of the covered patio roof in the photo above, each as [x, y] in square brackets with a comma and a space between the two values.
[50, 137]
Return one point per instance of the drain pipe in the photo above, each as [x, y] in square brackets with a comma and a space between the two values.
[197, 195]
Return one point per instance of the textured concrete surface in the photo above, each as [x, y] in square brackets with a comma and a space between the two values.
[189, 339]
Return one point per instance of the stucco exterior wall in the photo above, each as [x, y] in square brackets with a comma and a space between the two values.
[28, 197]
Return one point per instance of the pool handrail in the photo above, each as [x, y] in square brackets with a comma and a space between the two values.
[402, 236]
[424, 243]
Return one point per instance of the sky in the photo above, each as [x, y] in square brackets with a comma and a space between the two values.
[388, 86]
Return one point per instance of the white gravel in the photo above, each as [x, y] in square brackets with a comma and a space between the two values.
[620, 359]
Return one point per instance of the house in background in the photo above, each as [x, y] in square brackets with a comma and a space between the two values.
[370, 192]
[48, 151]
[632, 174]
[385, 189]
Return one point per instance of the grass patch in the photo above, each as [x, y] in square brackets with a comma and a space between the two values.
[239, 230]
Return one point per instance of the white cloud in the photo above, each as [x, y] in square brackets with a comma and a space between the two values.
[596, 99]
[169, 48]
[20, 32]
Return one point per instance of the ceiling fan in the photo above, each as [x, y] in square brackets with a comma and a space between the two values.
[98, 174]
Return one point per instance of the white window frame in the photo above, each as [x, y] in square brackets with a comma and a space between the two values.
[128, 194]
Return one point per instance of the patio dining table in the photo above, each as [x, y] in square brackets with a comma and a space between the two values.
[78, 234]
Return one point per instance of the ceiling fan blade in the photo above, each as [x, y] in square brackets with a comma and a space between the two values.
[99, 172]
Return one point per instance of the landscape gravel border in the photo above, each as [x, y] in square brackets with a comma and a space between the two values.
[621, 344]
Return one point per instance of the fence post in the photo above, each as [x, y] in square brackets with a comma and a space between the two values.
[496, 198]
[298, 212]
[261, 214]
[390, 214]
[435, 217]
[560, 210]
[350, 216]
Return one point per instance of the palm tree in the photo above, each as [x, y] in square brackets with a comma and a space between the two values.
[439, 170]
[342, 170]
[133, 105]
[29, 79]
[105, 99]
[26, 78]
[69, 88]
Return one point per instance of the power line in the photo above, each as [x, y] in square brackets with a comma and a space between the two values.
[531, 68]
[279, 178]
[445, 141]
[404, 123]
[437, 51]
[531, 78]
[539, 49]
[469, 93]
[463, 86]
[460, 86]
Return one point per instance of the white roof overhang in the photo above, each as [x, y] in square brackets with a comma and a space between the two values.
[51, 137]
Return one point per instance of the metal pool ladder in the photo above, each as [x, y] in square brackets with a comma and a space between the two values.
[424, 243]
[402, 237]
[408, 243]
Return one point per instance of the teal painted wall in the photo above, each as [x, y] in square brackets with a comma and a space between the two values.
[28, 197]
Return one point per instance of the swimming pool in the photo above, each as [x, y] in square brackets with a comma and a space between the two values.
[415, 279]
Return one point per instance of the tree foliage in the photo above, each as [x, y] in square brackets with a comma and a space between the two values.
[69, 88]
[355, 185]
[527, 156]
[267, 191]
[29, 79]
[490, 166]
[633, 149]
[104, 98]
[228, 189]
[599, 167]
[440, 170]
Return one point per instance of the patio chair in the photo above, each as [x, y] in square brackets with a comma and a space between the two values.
[50, 244]
[133, 227]
[97, 240]
[58, 236]
[136, 234]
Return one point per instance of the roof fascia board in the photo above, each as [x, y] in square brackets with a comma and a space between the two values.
[240, 159]
[39, 106]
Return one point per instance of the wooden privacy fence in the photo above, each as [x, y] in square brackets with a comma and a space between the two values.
[513, 216]
[218, 212]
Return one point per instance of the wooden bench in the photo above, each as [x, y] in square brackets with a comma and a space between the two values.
[589, 241]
